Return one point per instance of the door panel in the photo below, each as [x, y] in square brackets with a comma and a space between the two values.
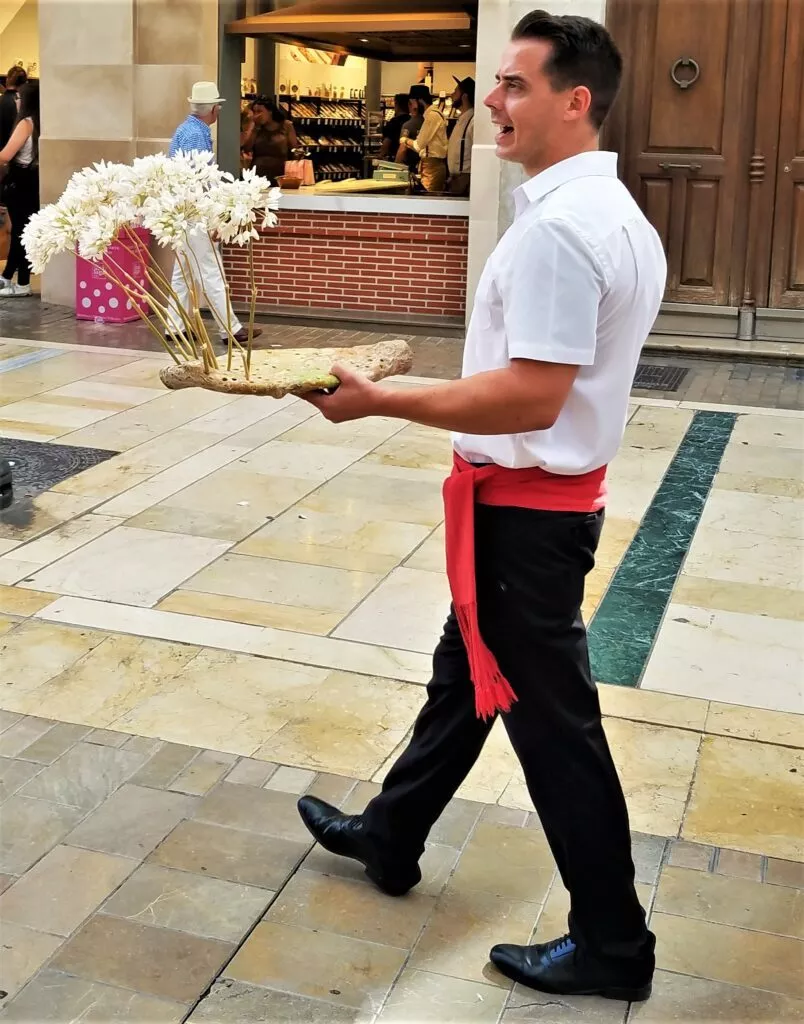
[787, 265]
[685, 142]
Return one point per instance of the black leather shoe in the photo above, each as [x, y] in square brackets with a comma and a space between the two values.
[555, 968]
[343, 835]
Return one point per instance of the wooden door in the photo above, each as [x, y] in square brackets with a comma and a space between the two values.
[680, 128]
[787, 261]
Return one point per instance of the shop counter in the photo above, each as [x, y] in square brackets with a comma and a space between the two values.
[400, 258]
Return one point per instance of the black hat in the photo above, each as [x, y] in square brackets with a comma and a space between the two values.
[421, 92]
[466, 85]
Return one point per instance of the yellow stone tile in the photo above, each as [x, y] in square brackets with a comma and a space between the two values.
[280, 957]
[314, 587]
[348, 907]
[656, 428]
[464, 926]
[723, 953]
[614, 541]
[365, 434]
[280, 458]
[422, 998]
[761, 461]
[128, 429]
[379, 498]
[21, 431]
[431, 556]
[259, 613]
[747, 796]
[226, 701]
[115, 677]
[748, 598]
[506, 861]
[750, 483]
[407, 610]
[769, 431]
[7, 624]
[223, 491]
[137, 465]
[739, 902]
[34, 653]
[656, 767]
[338, 541]
[407, 448]
[66, 539]
[678, 997]
[655, 708]
[196, 523]
[48, 511]
[755, 724]
[493, 771]
[15, 601]
[349, 727]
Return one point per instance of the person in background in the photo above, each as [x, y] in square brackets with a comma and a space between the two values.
[272, 138]
[10, 103]
[459, 153]
[19, 168]
[392, 131]
[194, 134]
[430, 143]
[410, 130]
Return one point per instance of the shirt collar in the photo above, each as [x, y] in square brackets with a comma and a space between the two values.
[594, 164]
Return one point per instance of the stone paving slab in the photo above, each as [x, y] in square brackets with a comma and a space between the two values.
[157, 905]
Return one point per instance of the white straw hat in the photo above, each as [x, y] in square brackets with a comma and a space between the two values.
[205, 92]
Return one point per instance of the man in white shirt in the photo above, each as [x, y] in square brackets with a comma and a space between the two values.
[560, 316]
[459, 152]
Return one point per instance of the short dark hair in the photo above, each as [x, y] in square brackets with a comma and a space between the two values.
[583, 54]
[401, 100]
[16, 77]
[279, 114]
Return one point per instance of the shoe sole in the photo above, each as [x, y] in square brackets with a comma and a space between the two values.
[619, 994]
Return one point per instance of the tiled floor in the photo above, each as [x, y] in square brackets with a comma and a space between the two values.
[245, 586]
[153, 881]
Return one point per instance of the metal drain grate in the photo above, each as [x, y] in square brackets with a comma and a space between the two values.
[659, 378]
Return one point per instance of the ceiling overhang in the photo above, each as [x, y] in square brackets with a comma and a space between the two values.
[390, 30]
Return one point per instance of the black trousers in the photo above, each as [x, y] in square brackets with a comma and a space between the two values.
[531, 567]
[21, 199]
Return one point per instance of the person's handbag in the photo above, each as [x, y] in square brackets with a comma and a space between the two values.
[301, 169]
[5, 233]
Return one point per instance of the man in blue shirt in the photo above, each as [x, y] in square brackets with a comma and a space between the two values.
[200, 256]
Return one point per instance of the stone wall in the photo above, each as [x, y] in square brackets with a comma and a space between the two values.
[115, 77]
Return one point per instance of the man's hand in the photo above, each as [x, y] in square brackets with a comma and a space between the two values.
[355, 398]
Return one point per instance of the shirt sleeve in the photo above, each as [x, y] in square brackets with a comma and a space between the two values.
[551, 296]
[427, 132]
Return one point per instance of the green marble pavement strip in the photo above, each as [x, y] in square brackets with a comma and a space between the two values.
[624, 628]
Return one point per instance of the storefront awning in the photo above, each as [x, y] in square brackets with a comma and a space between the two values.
[390, 30]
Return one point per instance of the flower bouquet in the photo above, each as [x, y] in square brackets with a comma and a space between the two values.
[176, 199]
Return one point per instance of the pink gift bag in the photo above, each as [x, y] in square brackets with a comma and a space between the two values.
[96, 297]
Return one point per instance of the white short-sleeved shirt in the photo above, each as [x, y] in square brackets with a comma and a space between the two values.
[578, 278]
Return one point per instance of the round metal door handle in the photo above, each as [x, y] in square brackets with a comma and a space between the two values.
[685, 62]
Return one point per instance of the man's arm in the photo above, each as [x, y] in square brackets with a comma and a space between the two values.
[525, 396]
[427, 133]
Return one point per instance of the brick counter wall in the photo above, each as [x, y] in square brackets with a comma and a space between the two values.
[387, 263]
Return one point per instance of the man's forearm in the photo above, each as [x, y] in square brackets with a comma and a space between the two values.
[495, 402]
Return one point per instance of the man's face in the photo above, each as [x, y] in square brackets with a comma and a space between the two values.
[215, 112]
[529, 115]
[413, 107]
[457, 96]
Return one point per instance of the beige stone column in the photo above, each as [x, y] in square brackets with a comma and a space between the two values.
[115, 77]
[493, 181]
